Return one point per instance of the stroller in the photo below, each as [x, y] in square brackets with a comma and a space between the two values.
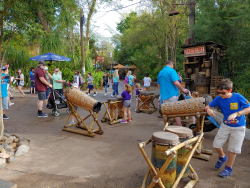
[56, 101]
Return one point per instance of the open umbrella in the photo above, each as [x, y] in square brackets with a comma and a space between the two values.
[119, 66]
[133, 67]
[50, 57]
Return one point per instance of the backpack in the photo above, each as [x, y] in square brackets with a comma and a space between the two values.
[126, 80]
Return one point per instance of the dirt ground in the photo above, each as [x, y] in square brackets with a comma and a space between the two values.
[112, 160]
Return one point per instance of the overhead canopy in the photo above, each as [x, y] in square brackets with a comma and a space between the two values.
[119, 66]
[133, 67]
[50, 57]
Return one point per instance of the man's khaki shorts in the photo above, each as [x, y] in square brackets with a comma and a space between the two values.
[172, 99]
[236, 137]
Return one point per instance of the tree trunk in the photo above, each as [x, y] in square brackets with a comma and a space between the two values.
[192, 22]
[1, 107]
[44, 23]
[82, 42]
[91, 10]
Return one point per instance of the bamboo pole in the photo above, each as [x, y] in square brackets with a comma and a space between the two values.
[166, 126]
[145, 178]
[79, 132]
[187, 162]
[191, 184]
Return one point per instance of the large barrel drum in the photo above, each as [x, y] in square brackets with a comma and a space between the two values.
[185, 106]
[146, 96]
[161, 142]
[112, 107]
[79, 98]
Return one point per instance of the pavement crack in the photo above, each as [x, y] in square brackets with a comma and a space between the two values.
[60, 139]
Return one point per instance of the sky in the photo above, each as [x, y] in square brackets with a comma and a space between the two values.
[104, 18]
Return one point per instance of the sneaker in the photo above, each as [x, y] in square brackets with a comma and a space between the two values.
[72, 122]
[135, 110]
[112, 96]
[42, 115]
[95, 94]
[105, 94]
[11, 103]
[129, 120]
[226, 172]
[5, 117]
[123, 121]
[220, 162]
[88, 94]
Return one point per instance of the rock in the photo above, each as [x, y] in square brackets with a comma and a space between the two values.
[13, 137]
[4, 155]
[9, 148]
[4, 138]
[4, 145]
[2, 161]
[7, 135]
[1, 146]
[16, 140]
[23, 142]
[3, 150]
[9, 140]
[11, 153]
[11, 159]
[13, 145]
[22, 150]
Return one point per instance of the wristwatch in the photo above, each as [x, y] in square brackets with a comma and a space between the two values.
[238, 114]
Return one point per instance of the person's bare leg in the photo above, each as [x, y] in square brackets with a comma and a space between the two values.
[125, 113]
[231, 159]
[178, 121]
[149, 89]
[220, 152]
[137, 104]
[40, 105]
[129, 113]
[72, 117]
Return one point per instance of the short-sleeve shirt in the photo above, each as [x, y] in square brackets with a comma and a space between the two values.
[38, 84]
[4, 83]
[231, 105]
[89, 79]
[57, 85]
[116, 78]
[130, 79]
[105, 79]
[125, 95]
[137, 91]
[166, 77]
[32, 76]
[147, 81]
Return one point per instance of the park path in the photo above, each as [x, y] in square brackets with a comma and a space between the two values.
[112, 160]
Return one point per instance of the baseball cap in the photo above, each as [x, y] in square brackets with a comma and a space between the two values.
[46, 68]
[41, 63]
[4, 68]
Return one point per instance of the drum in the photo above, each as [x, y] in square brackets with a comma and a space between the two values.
[79, 98]
[183, 153]
[161, 142]
[144, 96]
[184, 106]
[112, 108]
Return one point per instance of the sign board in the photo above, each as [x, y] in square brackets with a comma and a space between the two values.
[195, 51]
[100, 58]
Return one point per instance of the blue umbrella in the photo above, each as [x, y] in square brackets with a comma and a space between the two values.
[50, 57]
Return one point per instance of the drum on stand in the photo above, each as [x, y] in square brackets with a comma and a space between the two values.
[183, 153]
[144, 96]
[112, 107]
[161, 142]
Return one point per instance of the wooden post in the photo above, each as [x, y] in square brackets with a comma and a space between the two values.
[95, 58]
[82, 41]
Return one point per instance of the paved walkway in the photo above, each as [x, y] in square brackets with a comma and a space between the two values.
[112, 160]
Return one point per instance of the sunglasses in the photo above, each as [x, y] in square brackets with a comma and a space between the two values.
[223, 93]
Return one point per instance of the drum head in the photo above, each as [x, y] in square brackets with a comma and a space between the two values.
[182, 132]
[165, 138]
[114, 99]
[146, 93]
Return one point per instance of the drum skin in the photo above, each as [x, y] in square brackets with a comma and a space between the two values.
[158, 158]
[182, 153]
[79, 98]
[184, 106]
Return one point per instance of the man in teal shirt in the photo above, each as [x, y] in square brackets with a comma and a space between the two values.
[168, 82]
[57, 82]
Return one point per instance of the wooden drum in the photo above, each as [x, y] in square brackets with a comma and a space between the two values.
[79, 98]
[112, 107]
[161, 142]
[183, 153]
[184, 106]
[144, 96]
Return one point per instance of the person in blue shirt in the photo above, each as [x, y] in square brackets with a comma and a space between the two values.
[168, 82]
[32, 82]
[234, 108]
[5, 98]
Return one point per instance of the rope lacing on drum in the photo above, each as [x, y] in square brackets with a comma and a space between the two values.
[172, 153]
[186, 142]
[144, 144]
[156, 181]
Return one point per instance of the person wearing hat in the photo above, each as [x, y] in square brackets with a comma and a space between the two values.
[49, 77]
[5, 100]
[41, 85]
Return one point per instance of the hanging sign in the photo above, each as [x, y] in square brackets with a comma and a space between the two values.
[195, 51]
[100, 58]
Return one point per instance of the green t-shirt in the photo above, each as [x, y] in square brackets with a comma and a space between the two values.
[57, 85]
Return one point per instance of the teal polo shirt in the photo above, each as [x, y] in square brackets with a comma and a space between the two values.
[166, 77]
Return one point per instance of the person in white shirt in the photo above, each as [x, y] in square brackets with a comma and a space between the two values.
[147, 81]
